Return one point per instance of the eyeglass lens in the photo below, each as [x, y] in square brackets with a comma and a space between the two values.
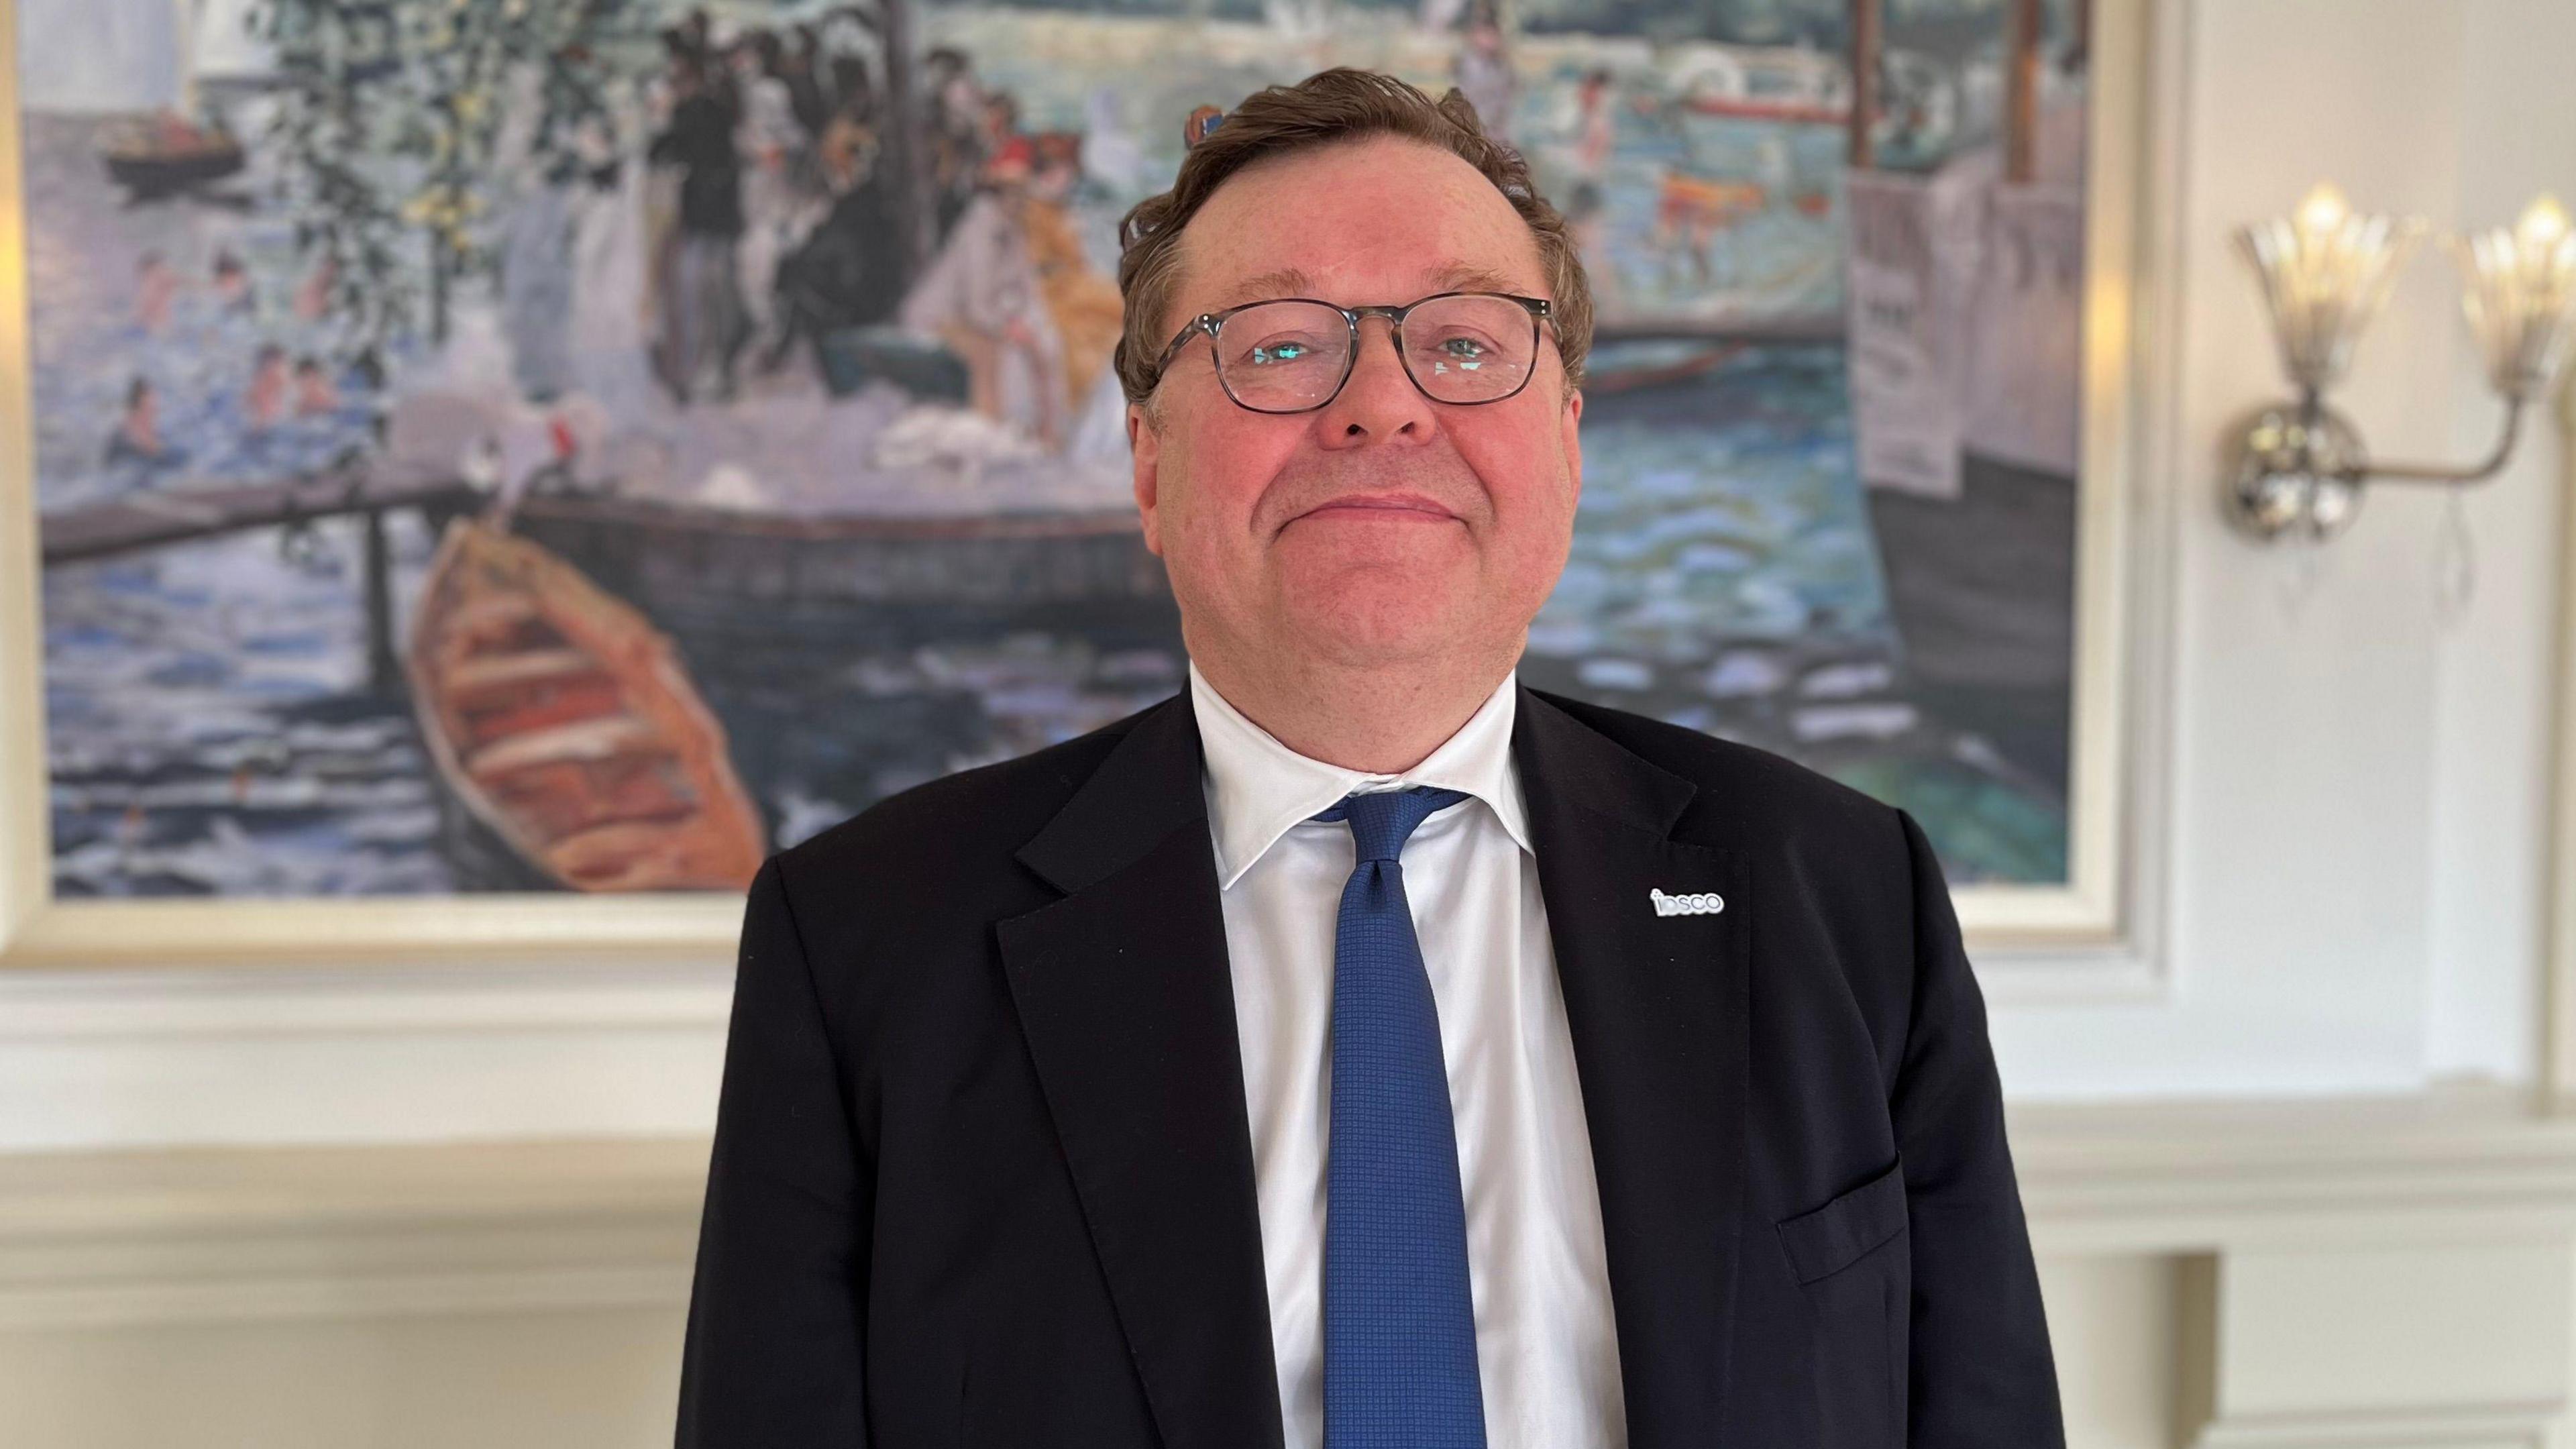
[1283, 356]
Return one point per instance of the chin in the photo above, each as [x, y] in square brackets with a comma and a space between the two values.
[1364, 629]
[1373, 651]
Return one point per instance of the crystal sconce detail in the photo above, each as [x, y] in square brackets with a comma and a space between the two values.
[2326, 270]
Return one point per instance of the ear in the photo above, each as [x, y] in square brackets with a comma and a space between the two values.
[1573, 414]
[1145, 450]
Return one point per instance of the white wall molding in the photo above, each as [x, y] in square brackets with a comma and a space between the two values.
[92, 1230]
[2503, 1426]
[240, 1234]
[2394, 1273]
[163, 1058]
[2191, 1177]
[248, 1003]
[2557, 1046]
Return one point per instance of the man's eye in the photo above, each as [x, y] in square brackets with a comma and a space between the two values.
[1280, 352]
[1462, 351]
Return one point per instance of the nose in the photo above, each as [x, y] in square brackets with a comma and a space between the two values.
[1379, 401]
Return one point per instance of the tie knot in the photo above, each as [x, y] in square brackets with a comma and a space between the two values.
[1381, 820]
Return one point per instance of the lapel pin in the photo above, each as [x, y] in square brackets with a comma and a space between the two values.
[1705, 904]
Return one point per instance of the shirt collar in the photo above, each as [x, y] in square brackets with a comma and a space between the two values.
[1258, 788]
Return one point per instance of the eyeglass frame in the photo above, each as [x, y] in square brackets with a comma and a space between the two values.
[1541, 311]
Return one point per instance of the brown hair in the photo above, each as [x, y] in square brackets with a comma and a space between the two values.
[1340, 104]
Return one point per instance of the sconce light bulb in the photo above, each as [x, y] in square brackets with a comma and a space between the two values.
[2546, 246]
[2543, 227]
[2322, 213]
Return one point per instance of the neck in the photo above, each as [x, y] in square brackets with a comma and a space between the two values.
[1384, 719]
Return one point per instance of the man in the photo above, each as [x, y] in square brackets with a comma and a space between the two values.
[1360, 1048]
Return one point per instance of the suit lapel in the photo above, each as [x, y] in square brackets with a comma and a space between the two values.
[1657, 1008]
[1124, 993]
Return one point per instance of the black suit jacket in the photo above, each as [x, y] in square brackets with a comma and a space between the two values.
[982, 1174]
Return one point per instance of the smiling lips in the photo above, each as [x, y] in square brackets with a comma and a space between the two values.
[1386, 507]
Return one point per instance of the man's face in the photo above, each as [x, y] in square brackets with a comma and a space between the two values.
[1383, 526]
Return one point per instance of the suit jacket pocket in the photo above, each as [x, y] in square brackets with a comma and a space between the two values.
[1829, 1238]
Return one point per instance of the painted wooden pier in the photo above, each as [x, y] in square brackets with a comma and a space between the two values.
[715, 577]
[162, 516]
[157, 518]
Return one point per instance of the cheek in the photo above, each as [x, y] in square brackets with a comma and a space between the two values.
[1229, 462]
[1526, 472]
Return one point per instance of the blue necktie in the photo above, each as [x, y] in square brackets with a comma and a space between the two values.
[1399, 1321]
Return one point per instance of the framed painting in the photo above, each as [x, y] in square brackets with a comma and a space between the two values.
[482, 474]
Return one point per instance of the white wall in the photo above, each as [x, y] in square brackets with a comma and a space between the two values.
[2356, 810]
[2358, 797]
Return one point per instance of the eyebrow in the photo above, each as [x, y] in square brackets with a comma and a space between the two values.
[1293, 282]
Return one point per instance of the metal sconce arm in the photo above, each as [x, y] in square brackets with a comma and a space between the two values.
[2475, 473]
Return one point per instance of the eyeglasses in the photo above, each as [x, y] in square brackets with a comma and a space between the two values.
[1292, 354]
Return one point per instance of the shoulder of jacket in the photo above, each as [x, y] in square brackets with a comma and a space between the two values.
[1755, 789]
[1002, 801]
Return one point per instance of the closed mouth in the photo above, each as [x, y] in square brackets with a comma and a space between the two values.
[1392, 507]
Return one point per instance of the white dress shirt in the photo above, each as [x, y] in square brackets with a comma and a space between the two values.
[1546, 1348]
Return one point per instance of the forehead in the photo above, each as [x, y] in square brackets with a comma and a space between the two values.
[1298, 282]
[1383, 220]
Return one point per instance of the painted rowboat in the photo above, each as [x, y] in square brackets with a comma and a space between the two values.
[564, 722]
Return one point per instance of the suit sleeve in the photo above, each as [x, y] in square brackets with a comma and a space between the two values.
[777, 1305]
[1981, 1372]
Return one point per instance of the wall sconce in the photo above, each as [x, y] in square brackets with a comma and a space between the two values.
[2325, 270]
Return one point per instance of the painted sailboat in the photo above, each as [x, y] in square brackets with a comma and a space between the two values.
[168, 153]
[190, 142]
[1963, 307]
